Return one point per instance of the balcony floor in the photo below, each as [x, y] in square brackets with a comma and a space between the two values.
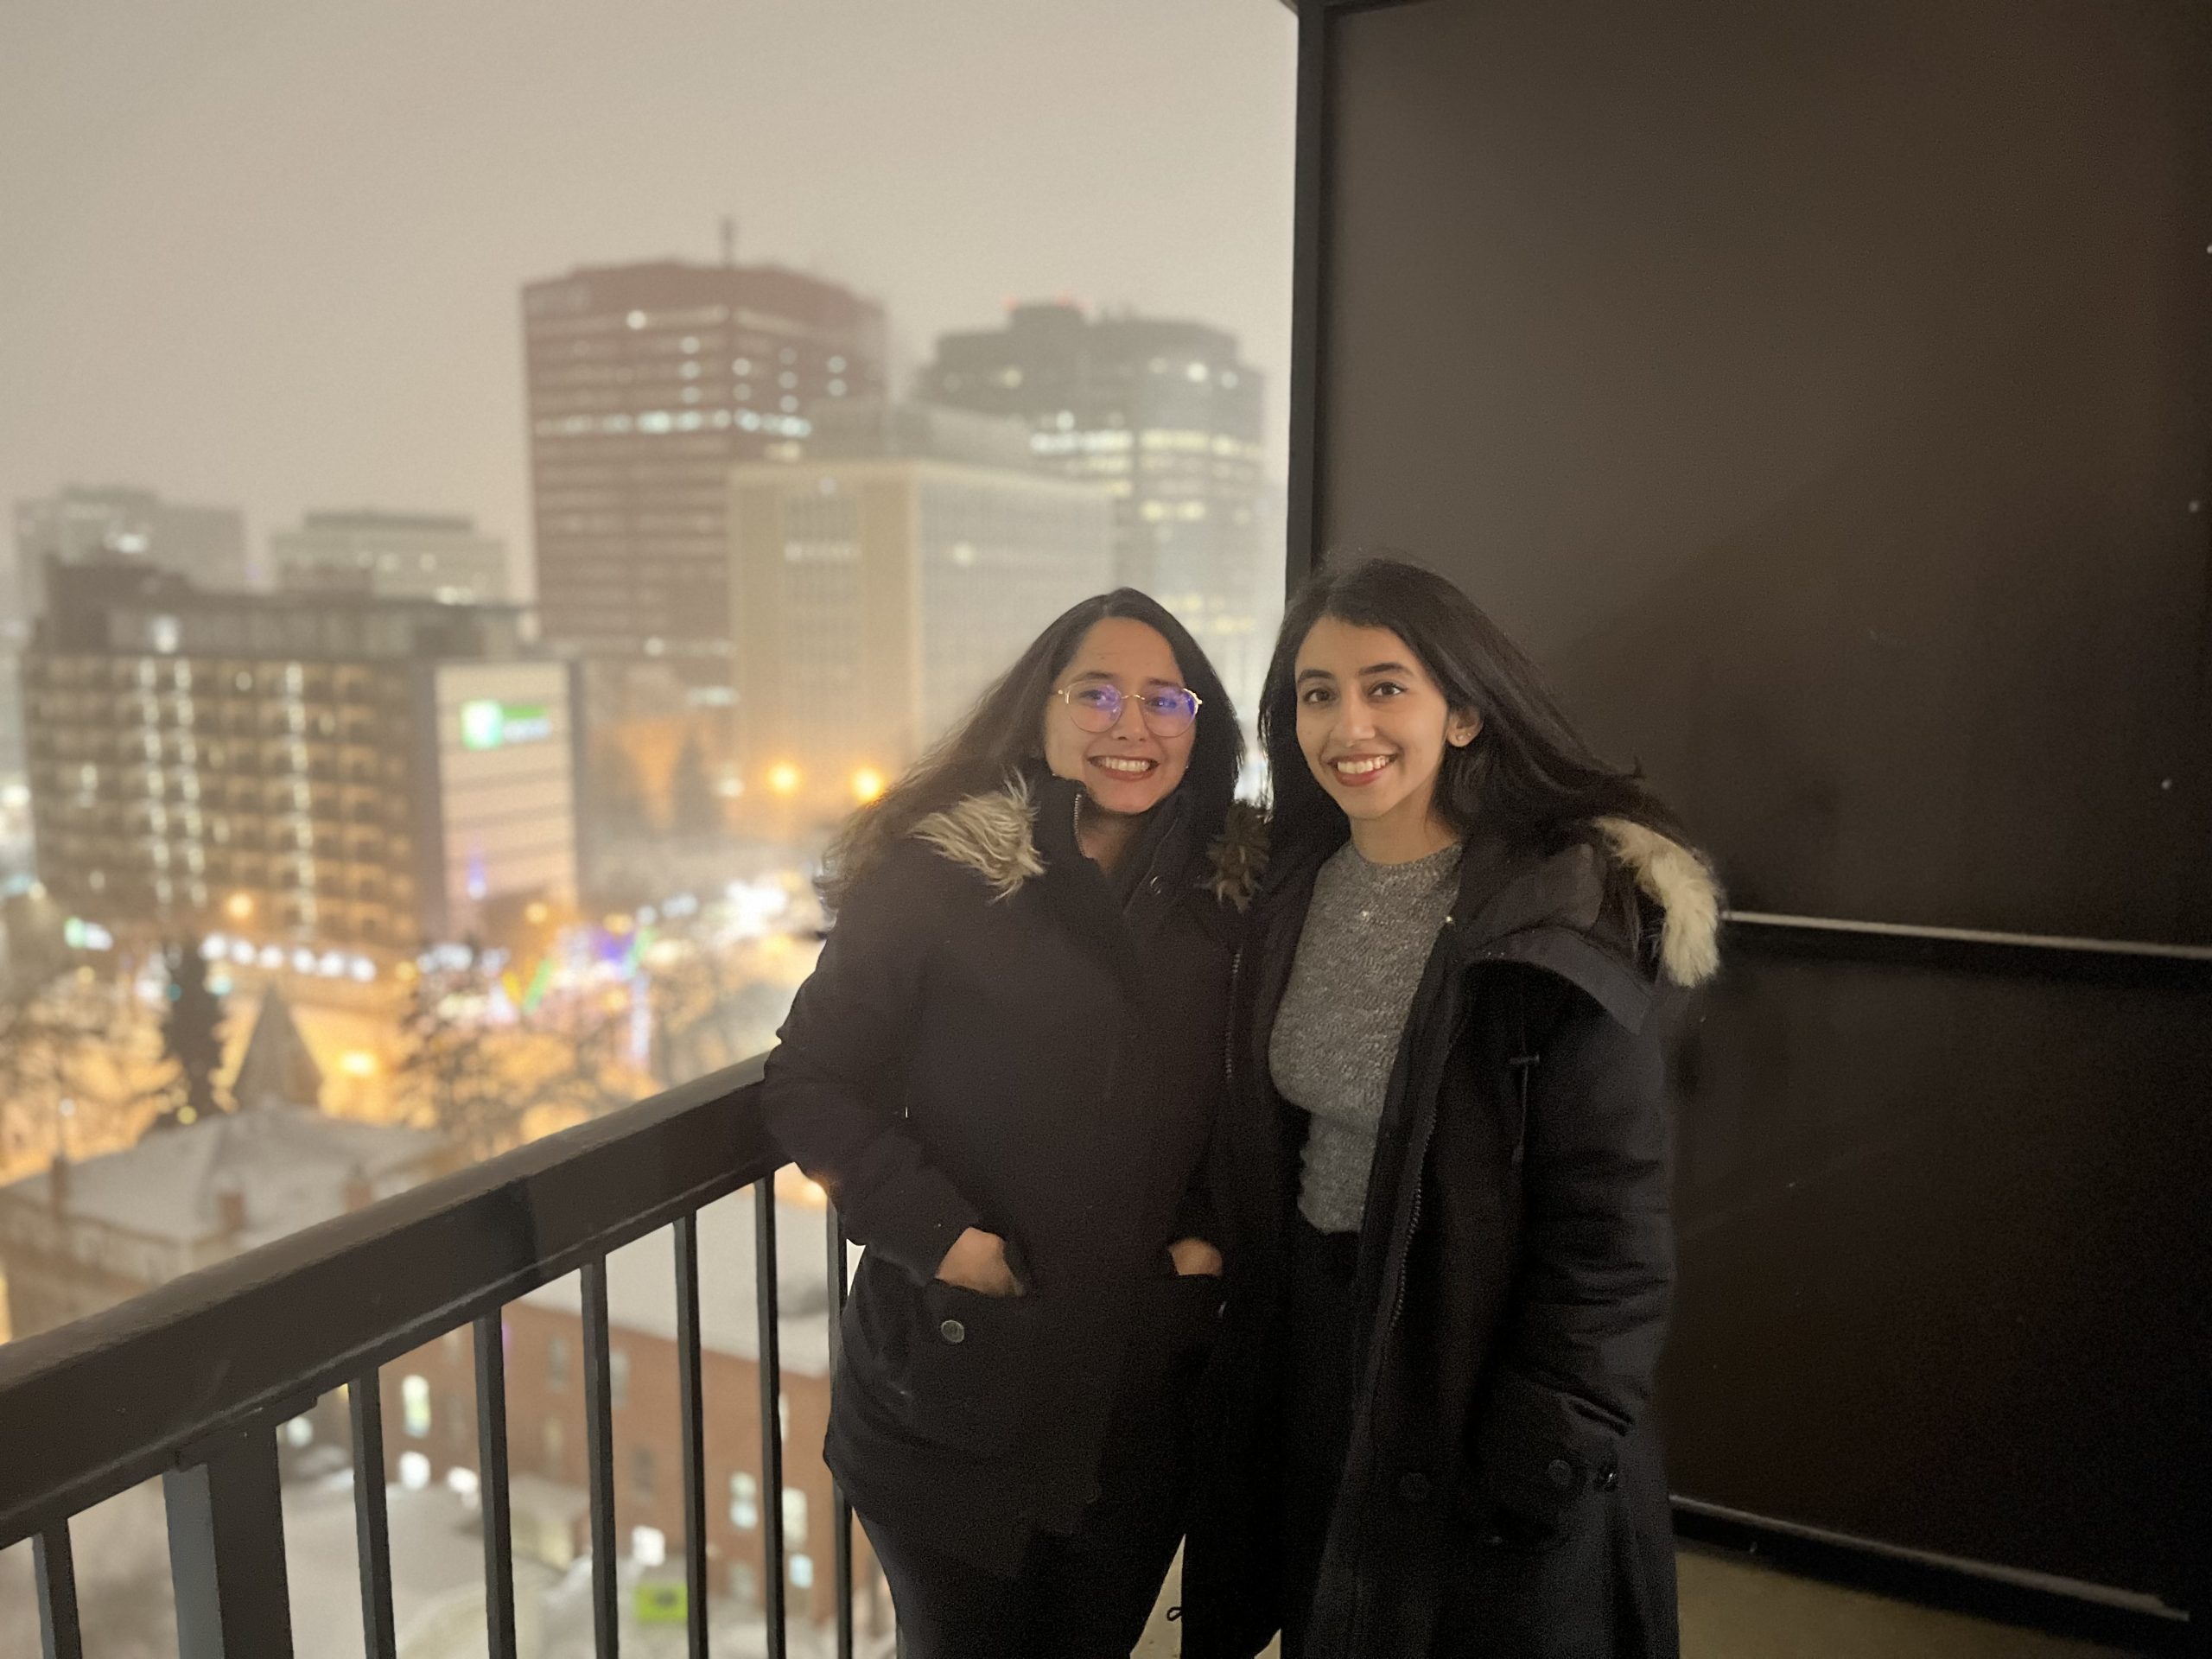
[1735, 1608]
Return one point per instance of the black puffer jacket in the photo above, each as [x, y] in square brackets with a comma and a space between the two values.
[998, 1036]
[1502, 1495]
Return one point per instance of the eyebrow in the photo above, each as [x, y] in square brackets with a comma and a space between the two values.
[1306, 673]
[1101, 674]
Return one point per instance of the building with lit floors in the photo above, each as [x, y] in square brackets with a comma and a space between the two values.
[881, 583]
[1167, 416]
[646, 384]
[393, 554]
[328, 781]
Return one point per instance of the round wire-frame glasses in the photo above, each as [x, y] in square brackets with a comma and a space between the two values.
[1096, 706]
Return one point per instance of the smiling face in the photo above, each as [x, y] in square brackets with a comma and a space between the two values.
[1374, 728]
[1129, 769]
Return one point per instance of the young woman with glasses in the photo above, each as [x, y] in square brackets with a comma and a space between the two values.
[1006, 1069]
[1448, 1217]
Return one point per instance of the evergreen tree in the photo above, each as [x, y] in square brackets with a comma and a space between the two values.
[192, 1036]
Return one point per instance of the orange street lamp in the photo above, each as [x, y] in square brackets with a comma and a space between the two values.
[783, 777]
[867, 785]
[239, 906]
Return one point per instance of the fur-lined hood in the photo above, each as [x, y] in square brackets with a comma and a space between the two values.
[1682, 885]
[994, 834]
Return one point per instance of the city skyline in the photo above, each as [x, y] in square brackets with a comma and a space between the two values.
[345, 331]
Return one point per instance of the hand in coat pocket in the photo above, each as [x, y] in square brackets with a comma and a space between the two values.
[977, 1261]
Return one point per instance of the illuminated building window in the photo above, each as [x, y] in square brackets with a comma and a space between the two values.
[794, 1517]
[415, 1406]
[743, 1502]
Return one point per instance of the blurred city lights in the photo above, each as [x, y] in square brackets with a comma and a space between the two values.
[783, 777]
[867, 785]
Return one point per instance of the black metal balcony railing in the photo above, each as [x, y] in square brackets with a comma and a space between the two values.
[191, 1380]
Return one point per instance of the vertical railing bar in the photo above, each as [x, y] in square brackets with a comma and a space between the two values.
[56, 1571]
[841, 1512]
[226, 1552]
[771, 1439]
[598, 1458]
[371, 1526]
[692, 1425]
[492, 1492]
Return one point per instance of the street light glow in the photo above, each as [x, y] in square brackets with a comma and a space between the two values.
[239, 906]
[867, 785]
[783, 777]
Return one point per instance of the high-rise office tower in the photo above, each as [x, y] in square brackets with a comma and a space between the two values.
[1167, 416]
[647, 384]
[883, 580]
[392, 555]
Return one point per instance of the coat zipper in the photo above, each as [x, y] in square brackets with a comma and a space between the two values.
[1229, 1025]
[1420, 1159]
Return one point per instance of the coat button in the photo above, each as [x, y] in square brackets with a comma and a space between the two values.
[953, 1331]
[1413, 1488]
[1559, 1472]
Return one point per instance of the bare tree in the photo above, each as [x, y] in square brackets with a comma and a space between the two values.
[451, 1069]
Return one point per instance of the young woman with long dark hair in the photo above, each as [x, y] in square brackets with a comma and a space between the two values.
[1447, 1212]
[1006, 1069]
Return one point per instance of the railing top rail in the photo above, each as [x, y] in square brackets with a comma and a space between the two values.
[94, 1408]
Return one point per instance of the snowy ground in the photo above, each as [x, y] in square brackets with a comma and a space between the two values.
[437, 1587]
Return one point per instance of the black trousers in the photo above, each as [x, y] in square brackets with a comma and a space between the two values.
[1074, 1597]
[1317, 1414]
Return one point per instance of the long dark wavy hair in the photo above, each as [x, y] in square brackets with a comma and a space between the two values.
[1004, 735]
[1528, 776]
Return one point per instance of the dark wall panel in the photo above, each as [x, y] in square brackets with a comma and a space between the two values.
[1824, 392]
[1858, 350]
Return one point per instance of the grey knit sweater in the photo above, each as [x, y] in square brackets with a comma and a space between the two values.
[1367, 936]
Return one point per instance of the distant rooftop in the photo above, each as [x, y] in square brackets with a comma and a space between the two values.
[379, 518]
[130, 608]
[871, 428]
[287, 1166]
[641, 1286]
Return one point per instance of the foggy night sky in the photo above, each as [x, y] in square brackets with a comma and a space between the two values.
[267, 253]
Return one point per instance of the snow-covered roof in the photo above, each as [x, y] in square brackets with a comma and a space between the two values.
[288, 1165]
[641, 1285]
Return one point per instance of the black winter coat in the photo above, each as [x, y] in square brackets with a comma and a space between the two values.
[999, 1036]
[1502, 1495]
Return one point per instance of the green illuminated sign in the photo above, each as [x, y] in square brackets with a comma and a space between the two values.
[663, 1604]
[487, 723]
